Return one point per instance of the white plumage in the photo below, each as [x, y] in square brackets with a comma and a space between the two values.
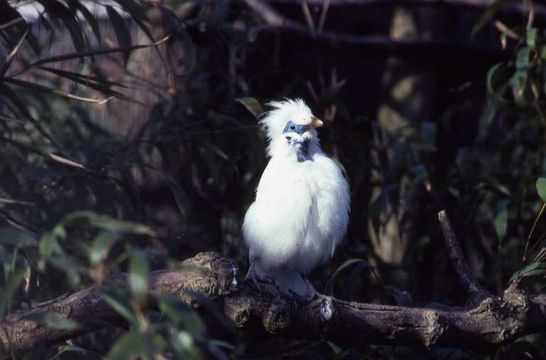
[302, 201]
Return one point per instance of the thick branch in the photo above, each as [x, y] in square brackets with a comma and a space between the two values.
[492, 322]
[206, 273]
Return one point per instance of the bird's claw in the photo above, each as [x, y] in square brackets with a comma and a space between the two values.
[256, 280]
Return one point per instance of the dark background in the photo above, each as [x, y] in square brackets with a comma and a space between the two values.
[427, 105]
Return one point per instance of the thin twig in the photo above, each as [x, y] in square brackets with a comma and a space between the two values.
[270, 15]
[531, 17]
[323, 13]
[308, 17]
[11, 23]
[531, 233]
[457, 257]
[373, 42]
[506, 30]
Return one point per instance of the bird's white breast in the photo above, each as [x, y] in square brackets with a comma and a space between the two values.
[300, 214]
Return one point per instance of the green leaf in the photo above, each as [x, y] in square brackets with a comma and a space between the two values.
[82, 78]
[17, 238]
[488, 115]
[19, 107]
[89, 17]
[487, 15]
[106, 223]
[101, 245]
[92, 82]
[70, 348]
[541, 188]
[53, 91]
[183, 343]
[252, 105]
[69, 266]
[58, 12]
[329, 288]
[537, 268]
[120, 28]
[9, 290]
[336, 349]
[83, 54]
[182, 200]
[11, 55]
[119, 304]
[501, 219]
[519, 84]
[522, 59]
[128, 346]
[138, 13]
[139, 276]
[173, 307]
[181, 314]
[55, 321]
[491, 77]
[532, 38]
[48, 244]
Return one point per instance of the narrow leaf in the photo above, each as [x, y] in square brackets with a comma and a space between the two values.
[487, 15]
[89, 17]
[532, 38]
[101, 245]
[128, 346]
[9, 290]
[119, 305]
[329, 288]
[139, 276]
[501, 219]
[541, 188]
[252, 105]
[11, 55]
[83, 54]
[120, 28]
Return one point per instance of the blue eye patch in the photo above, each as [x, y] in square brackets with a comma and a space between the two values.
[295, 128]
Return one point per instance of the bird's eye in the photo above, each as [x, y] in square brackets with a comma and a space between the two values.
[292, 127]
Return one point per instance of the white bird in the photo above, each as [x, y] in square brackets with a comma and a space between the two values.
[302, 202]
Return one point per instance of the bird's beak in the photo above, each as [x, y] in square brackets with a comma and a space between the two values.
[316, 122]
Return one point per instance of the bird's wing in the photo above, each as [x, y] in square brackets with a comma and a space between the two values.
[275, 224]
[332, 198]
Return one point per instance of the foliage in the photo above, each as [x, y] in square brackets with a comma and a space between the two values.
[80, 199]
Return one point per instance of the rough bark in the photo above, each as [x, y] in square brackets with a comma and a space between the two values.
[206, 274]
[493, 321]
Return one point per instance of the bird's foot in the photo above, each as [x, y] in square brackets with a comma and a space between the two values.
[256, 280]
[312, 293]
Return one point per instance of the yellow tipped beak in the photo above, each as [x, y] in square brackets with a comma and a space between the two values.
[316, 122]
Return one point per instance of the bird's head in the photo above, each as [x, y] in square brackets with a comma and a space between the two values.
[291, 126]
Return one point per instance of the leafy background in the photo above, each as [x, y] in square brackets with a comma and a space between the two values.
[127, 144]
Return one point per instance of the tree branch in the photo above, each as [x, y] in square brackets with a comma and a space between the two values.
[206, 274]
[382, 43]
[490, 323]
[476, 291]
[480, 5]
